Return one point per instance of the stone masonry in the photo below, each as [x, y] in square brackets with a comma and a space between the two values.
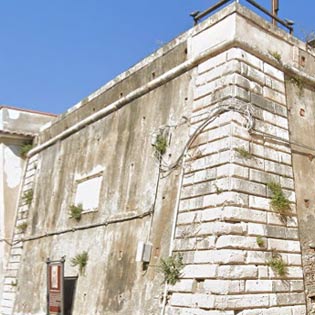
[225, 202]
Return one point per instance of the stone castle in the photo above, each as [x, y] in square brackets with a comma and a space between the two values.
[202, 152]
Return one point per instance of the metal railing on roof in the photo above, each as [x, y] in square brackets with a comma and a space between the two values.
[197, 16]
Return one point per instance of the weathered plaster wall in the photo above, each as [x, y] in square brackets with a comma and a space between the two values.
[120, 147]
[11, 175]
[16, 127]
[301, 99]
[22, 121]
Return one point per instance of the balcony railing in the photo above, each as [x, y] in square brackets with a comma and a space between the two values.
[197, 16]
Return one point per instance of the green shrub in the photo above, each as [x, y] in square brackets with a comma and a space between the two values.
[76, 211]
[80, 260]
[279, 202]
[22, 227]
[277, 264]
[160, 144]
[275, 55]
[243, 153]
[297, 81]
[260, 242]
[28, 196]
[24, 149]
[171, 268]
[217, 189]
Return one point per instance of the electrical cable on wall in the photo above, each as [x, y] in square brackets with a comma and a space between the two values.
[237, 106]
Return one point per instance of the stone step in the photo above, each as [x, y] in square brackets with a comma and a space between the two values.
[18, 245]
[13, 266]
[10, 278]
[15, 259]
[16, 251]
[5, 310]
[10, 287]
[11, 273]
[7, 303]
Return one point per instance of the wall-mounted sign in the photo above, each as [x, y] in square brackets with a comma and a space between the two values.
[55, 280]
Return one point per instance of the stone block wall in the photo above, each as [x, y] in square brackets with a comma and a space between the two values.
[226, 230]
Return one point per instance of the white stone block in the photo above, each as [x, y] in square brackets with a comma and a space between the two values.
[256, 229]
[224, 286]
[243, 214]
[212, 63]
[273, 72]
[274, 218]
[274, 95]
[194, 311]
[194, 243]
[259, 202]
[263, 177]
[269, 129]
[255, 257]
[252, 73]
[296, 285]
[299, 310]
[280, 169]
[284, 245]
[237, 272]
[254, 286]
[290, 299]
[242, 301]
[248, 187]
[219, 256]
[233, 170]
[294, 259]
[211, 214]
[226, 198]
[236, 242]
[183, 286]
[263, 272]
[237, 53]
[199, 271]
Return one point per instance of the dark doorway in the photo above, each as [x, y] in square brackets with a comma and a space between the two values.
[69, 291]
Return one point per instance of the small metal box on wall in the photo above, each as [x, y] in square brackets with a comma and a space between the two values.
[143, 252]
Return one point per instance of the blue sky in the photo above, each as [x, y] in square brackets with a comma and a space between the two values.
[55, 53]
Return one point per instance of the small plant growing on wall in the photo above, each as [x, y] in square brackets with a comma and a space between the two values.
[279, 202]
[160, 144]
[275, 55]
[28, 197]
[24, 149]
[218, 190]
[243, 153]
[277, 264]
[22, 227]
[76, 211]
[260, 242]
[298, 83]
[80, 261]
[171, 268]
